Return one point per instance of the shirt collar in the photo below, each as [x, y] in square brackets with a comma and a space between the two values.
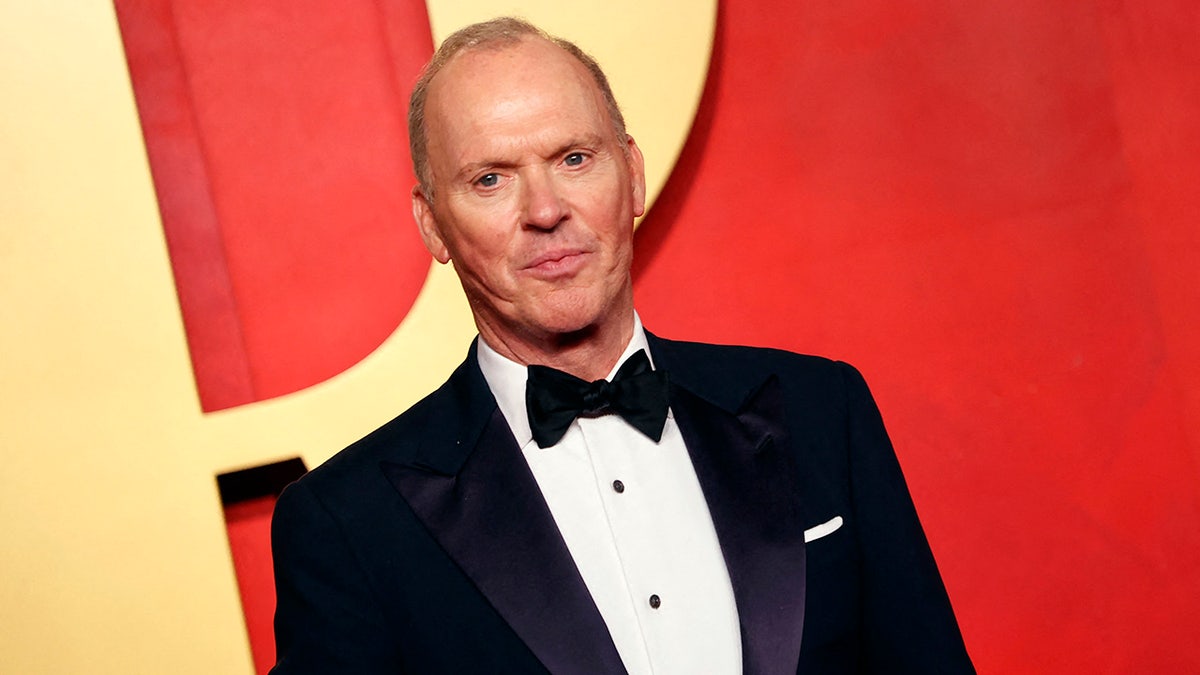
[506, 378]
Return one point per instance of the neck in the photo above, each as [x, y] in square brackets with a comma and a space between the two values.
[588, 354]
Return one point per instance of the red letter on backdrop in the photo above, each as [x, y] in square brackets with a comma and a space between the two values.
[277, 141]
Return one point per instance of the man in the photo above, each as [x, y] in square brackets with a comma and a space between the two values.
[710, 510]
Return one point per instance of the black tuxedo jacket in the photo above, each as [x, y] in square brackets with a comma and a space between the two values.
[426, 547]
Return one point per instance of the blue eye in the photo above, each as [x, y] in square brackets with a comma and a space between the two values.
[488, 180]
[574, 159]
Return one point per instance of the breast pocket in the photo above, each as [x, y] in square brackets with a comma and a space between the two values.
[833, 590]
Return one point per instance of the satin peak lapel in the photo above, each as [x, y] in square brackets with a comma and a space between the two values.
[482, 504]
[750, 481]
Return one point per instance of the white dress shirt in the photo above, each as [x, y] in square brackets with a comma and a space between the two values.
[635, 521]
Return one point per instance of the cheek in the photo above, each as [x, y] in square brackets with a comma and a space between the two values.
[485, 257]
[616, 224]
[489, 266]
[480, 234]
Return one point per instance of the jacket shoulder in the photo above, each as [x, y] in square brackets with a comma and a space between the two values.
[728, 372]
[724, 358]
[403, 440]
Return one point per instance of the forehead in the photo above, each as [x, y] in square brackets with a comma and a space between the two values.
[528, 62]
[511, 91]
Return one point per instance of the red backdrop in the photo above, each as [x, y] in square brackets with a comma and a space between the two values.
[990, 208]
[278, 144]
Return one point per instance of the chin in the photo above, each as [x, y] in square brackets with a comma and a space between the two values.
[560, 324]
[570, 315]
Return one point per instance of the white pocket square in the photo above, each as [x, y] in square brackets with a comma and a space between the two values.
[817, 531]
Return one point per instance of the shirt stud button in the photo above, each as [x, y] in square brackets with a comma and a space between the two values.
[655, 602]
[618, 486]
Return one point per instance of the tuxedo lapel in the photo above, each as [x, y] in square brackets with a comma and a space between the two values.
[752, 487]
[475, 494]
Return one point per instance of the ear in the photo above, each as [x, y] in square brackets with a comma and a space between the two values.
[637, 176]
[428, 226]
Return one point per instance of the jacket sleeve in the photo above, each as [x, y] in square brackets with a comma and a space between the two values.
[327, 619]
[908, 623]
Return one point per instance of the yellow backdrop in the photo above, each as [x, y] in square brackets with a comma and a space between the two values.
[114, 554]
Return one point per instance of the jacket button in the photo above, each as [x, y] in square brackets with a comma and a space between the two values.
[655, 602]
[618, 486]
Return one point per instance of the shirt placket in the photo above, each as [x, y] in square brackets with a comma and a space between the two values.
[622, 497]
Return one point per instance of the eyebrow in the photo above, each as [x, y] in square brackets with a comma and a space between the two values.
[589, 140]
[474, 167]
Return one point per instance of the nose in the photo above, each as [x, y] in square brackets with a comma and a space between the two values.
[543, 206]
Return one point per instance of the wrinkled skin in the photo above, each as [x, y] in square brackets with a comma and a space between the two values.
[534, 199]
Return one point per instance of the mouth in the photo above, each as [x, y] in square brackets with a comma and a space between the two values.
[556, 264]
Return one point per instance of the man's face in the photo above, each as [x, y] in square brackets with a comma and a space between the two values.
[534, 195]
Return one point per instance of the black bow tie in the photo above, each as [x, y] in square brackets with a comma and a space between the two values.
[554, 399]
